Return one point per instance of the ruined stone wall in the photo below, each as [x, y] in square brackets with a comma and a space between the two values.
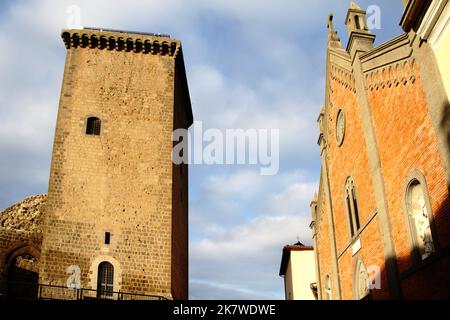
[25, 215]
[21, 236]
[13, 244]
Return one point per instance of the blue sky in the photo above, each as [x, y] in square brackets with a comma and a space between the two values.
[250, 64]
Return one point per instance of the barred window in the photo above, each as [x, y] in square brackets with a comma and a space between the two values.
[93, 126]
[105, 280]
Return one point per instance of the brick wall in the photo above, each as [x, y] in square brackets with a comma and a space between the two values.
[407, 146]
[407, 142]
[351, 160]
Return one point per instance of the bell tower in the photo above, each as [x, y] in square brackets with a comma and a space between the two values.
[116, 219]
[356, 19]
[361, 39]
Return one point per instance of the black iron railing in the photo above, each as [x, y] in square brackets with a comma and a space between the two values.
[30, 291]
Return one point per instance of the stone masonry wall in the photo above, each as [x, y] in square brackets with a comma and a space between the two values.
[324, 248]
[119, 182]
[20, 232]
[180, 240]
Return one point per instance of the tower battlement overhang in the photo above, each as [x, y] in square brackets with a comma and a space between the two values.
[128, 41]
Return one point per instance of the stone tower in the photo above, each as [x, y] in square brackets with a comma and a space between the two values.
[117, 213]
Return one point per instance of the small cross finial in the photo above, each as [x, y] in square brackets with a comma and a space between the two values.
[333, 39]
[330, 22]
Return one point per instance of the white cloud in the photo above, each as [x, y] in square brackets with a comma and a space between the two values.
[221, 291]
[242, 184]
[238, 252]
[238, 194]
[260, 233]
[221, 103]
[247, 257]
[294, 200]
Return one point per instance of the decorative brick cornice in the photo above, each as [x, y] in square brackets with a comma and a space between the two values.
[121, 41]
[389, 64]
[344, 77]
[401, 72]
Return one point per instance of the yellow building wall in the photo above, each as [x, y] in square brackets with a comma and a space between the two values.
[440, 42]
[443, 58]
[288, 286]
[300, 274]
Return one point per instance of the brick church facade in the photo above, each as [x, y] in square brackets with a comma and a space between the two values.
[380, 219]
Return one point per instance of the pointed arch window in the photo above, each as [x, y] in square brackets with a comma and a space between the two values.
[93, 126]
[351, 202]
[105, 280]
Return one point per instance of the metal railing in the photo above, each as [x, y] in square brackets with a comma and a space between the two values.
[30, 291]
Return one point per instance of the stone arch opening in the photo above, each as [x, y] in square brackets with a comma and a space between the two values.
[22, 273]
[96, 274]
[105, 280]
[93, 126]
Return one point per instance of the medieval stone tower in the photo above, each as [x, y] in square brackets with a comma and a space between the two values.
[116, 218]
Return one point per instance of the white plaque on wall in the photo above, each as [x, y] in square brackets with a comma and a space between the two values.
[356, 246]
